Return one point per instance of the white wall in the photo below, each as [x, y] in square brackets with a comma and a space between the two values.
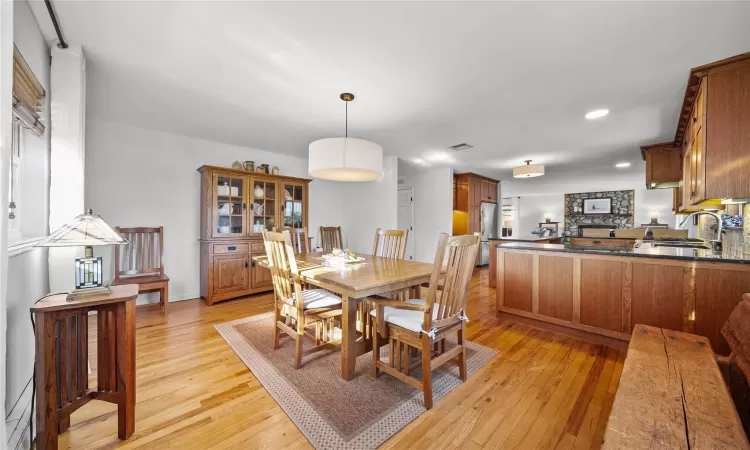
[540, 195]
[433, 209]
[366, 206]
[28, 278]
[136, 176]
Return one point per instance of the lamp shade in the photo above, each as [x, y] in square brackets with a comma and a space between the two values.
[528, 171]
[345, 159]
[85, 230]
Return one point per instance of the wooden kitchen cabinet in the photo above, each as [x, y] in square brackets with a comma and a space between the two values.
[663, 165]
[236, 206]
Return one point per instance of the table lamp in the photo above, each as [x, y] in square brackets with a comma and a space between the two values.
[85, 230]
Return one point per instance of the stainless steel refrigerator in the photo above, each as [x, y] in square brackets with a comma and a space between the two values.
[488, 221]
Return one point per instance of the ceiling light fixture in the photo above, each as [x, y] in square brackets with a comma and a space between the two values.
[596, 114]
[345, 159]
[418, 161]
[529, 170]
[438, 156]
[623, 164]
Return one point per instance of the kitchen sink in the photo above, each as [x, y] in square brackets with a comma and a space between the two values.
[697, 245]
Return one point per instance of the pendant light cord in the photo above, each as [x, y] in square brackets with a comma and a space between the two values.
[346, 121]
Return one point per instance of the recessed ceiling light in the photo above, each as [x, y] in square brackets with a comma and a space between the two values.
[418, 161]
[597, 114]
[622, 164]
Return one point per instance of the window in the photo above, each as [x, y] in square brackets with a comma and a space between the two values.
[16, 183]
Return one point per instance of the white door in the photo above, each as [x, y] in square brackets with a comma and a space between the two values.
[406, 218]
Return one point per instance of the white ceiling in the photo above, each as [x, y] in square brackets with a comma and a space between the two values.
[514, 79]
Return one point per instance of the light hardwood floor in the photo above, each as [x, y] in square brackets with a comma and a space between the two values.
[549, 387]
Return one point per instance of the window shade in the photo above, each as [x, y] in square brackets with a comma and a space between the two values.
[28, 95]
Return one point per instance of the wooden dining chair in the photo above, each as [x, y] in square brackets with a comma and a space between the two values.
[420, 324]
[319, 309]
[300, 242]
[141, 261]
[330, 238]
[390, 243]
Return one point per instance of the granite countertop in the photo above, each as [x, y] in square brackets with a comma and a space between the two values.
[525, 238]
[641, 250]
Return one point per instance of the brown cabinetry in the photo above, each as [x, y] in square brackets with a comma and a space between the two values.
[663, 165]
[713, 135]
[236, 206]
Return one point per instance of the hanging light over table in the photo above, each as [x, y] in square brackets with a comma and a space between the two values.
[345, 159]
[529, 170]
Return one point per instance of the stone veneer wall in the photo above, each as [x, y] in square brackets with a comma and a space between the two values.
[622, 210]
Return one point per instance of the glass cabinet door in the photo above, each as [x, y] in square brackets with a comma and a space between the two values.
[230, 206]
[293, 207]
[264, 205]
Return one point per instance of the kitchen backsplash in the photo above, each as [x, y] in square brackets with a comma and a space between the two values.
[736, 241]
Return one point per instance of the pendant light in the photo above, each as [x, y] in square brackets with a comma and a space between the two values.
[345, 159]
[529, 170]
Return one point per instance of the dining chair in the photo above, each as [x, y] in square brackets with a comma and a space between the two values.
[330, 238]
[422, 323]
[299, 238]
[390, 243]
[141, 261]
[319, 308]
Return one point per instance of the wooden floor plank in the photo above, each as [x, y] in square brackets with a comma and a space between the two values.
[547, 388]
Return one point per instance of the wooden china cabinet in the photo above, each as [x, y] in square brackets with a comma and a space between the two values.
[236, 206]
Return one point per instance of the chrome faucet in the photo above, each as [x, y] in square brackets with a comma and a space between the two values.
[716, 243]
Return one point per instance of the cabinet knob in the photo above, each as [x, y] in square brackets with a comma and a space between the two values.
[692, 194]
[252, 206]
[246, 264]
[244, 206]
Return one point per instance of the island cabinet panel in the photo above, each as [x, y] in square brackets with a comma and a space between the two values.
[601, 294]
[518, 280]
[653, 299]
[717, 292]
[556, 287]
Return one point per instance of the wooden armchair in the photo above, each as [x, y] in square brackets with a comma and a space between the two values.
[300, 241]
[319, 308]
[420, 324]
[141, 261]
[330, 238]
[390, 243]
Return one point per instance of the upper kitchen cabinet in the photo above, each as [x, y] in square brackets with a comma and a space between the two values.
[472, 190]
[714, 133]
[663, 165]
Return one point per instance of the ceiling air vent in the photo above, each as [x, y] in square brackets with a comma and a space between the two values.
[459, 147]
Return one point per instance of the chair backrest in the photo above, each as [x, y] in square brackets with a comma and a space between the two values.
[283, 266]
[299, 239]
[330, 238]
[454, 264]
[144, 253]
[390, 243]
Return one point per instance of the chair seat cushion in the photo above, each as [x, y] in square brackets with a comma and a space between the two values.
[411, 320]
[317, 298]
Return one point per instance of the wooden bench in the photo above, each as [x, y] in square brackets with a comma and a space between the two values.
[672, 396]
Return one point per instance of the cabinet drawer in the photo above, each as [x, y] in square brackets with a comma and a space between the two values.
[256, 247]
[231, 248]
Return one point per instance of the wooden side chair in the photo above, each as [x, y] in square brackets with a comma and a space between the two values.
[141, 261]
[330, 238]
[299, 238]
[319, 308]
[421, 324]
[390, 243]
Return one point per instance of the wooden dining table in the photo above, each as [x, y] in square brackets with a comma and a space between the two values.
[354, 282]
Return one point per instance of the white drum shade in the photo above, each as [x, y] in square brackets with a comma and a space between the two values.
[345, 159]
[528, 171]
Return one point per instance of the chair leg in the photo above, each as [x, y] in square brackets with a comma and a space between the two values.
[407, 359]
[426, 371]
[298, 357]
[462, 355]
[276, 329]
[164, 294]
[375, 352]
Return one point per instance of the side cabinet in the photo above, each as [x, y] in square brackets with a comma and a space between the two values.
[236, 207]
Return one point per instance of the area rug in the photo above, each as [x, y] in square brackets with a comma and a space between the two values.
[333, 413]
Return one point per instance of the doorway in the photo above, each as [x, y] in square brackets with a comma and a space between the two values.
[406, 217]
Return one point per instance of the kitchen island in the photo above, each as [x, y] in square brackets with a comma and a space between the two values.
[608, 290]
[520, 238]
